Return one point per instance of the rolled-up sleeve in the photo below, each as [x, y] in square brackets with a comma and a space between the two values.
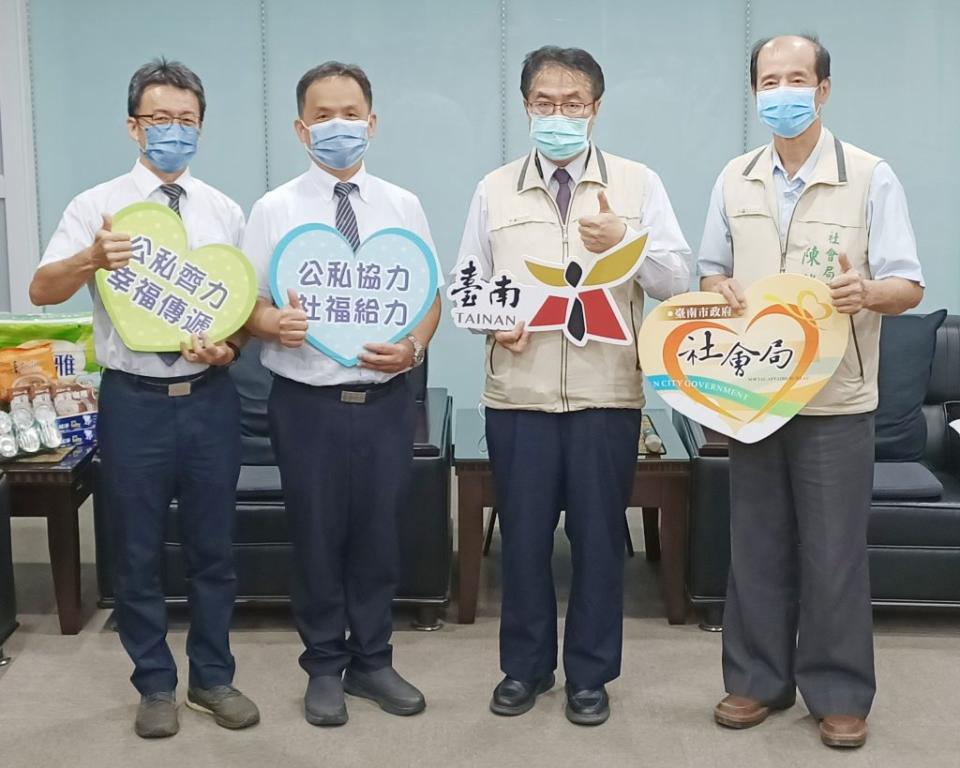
[75, 231]
[891, 245]
[716, 252]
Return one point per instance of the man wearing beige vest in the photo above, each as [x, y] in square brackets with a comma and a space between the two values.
[798, 597]
[562, 420]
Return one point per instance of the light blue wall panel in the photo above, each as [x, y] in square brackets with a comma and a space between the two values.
[894, 73]
[434, 68]
[675, 99]
[84, 54]
[674, 84]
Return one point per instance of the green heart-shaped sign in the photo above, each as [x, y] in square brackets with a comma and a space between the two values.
[166, 291]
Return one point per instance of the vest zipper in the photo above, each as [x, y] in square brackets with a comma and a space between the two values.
[856, 346]
[566, 253]
[783, 265]
[563, 336]
[786, 240]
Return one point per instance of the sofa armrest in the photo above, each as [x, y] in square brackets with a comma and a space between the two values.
[433, 436]
[700, 440]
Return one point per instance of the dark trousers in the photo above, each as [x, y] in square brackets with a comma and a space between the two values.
[155, 448]
[582, 462]
[345, 470]
[798, 597]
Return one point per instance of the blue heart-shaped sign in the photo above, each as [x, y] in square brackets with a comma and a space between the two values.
[378, 294]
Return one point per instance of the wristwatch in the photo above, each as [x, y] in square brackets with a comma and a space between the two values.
[419, 351]
[236, 351]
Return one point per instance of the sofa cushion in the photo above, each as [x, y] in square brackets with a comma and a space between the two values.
[259, 483]
[928, 523]
[907, 344]
[904, 480]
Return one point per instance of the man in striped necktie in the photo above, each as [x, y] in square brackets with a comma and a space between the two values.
[169, 423]
[343, 436]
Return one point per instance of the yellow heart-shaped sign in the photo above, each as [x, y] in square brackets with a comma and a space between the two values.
[167, 292]
[744, 376]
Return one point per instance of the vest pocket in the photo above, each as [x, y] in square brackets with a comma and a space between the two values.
[633, 325]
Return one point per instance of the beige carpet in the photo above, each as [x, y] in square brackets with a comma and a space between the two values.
[66, 701]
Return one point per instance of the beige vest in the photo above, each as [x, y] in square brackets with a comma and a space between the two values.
[830, 218]
[552, 374]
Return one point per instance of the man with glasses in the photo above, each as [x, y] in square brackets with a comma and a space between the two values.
[563, 421]
[169, 423]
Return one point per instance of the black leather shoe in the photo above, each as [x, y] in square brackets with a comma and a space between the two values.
[513, 697]
[323, 702]
[385, 686]
[587, 706]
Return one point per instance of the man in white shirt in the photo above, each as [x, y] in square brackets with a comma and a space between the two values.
[562, 420]
[169, 424]
[343, 436]
[797, 612]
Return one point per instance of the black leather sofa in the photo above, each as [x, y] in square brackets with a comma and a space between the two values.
[8, 597]
[262, 544]
[914, 543]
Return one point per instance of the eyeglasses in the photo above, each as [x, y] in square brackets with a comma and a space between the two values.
[567, 108]
[163, 119]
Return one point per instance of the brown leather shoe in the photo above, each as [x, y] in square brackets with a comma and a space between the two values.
[843, 731]
[740, 712]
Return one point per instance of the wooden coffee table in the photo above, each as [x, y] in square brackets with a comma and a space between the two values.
[55, 491]
[660, 488]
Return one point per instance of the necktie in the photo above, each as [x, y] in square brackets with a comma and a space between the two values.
[563, 193]
[346, 219]
[173, 192]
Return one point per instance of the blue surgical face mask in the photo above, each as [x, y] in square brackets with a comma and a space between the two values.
[338, 143]
[558, 137]
[170, 148]
[787, 111]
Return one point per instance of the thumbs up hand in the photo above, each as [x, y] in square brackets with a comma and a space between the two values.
[601, 232]
[291, 322]
[110, 250]
[849, 290]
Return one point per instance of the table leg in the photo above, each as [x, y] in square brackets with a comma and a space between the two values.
[651, 533]
[673, 539]
[470, 544]
[63, 539]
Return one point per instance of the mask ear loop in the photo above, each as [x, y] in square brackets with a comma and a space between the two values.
[308, 148]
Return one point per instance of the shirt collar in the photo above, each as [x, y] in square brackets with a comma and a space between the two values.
[147, 182]
[325, 181]
[575, 167]
[806, 170]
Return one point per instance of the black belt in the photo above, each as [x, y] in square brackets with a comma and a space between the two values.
[354, 394]
[174, 386]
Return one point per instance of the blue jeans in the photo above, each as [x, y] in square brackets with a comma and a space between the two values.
[155, 448]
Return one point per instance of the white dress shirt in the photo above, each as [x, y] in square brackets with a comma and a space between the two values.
[891, 246]
[309, 198]
[664, 271]
[209, 216]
